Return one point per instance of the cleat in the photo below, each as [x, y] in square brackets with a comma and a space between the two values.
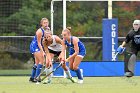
[38, 79]
[80, 81]
[72, 80]
[32, 80]
[128, 74]
[47, 82]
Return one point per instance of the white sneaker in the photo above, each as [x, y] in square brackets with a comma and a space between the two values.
[80, 81]
[47, 81]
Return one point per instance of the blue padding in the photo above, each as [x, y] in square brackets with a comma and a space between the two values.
[101, 69]
[110, 38]
[137, 69]
[59, 71]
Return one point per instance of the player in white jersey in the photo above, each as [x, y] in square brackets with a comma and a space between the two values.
[53, 47]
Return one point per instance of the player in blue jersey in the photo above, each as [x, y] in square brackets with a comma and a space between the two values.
[36, 48]
[77, 52]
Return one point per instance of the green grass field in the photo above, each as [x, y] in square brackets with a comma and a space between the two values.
[20, 84]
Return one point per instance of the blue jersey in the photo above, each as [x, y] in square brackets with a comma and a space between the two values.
[34, 44]
[82, 49]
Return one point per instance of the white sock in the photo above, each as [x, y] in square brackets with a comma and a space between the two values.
[48, 70]
[68, 74]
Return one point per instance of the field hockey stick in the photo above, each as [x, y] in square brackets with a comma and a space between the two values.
[116, 54]
[60, 64]
[41, 74]
[44, 71]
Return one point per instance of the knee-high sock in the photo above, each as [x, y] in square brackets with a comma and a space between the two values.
[33, 71]
[48, 70]
[79, 74]
[127, 56]
[38, 70]
[131, 63]
[68, 74]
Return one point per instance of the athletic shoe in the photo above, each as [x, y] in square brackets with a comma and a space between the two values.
[80, 81]
[32, 80]
[72, 79]
[128, 74]
[47, 82]
[38, 80]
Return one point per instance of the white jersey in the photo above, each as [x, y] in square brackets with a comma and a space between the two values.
[55, 46]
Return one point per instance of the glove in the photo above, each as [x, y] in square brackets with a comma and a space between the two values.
[120, 49]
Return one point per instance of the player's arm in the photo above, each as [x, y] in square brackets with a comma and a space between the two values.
[39, 36]
[76, 48]
[58, 40]
[48, 57]
[123, 44]
[121, 48]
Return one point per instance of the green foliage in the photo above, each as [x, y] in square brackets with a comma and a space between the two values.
[7, 62]
[12, 57]
[126, 12]
[24, 21]
[84, 17]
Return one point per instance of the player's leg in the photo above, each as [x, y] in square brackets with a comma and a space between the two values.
[71, 61]
[67, 71]
[48, 70]
[76, 68]
[33, 49]
[130, 60]
[38, 55]
[32, 78]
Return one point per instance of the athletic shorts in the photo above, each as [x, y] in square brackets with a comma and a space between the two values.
[133, 50]
[56, 53]
[81, 53]
[34, 47]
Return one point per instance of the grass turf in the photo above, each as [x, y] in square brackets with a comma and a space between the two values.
[20, 84]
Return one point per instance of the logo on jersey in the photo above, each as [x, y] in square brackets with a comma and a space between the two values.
[36, 50]
[137, 39]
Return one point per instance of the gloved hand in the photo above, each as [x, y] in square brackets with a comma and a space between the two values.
[120, 49]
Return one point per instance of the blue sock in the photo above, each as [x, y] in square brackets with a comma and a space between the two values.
[79, 74]
[33, 71]
[38, 70]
